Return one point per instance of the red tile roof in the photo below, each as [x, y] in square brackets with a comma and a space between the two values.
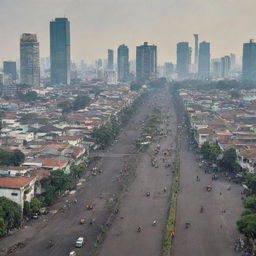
[53, 162]
[15, 182]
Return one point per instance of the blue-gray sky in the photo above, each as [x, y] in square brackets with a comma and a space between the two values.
[97, 25]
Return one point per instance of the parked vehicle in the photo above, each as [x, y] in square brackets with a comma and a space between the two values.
[82, 221]
[79, 242]
[73, 253]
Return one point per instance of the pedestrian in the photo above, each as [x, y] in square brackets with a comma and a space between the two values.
[220, 226]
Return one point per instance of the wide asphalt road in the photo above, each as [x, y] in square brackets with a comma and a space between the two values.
[214, 231]
[138, 210]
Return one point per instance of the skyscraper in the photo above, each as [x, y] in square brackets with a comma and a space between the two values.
[29, 60]
[183, 60]
[249, 60]
[146, 62]
[60, 51]
[204, 61]
[123, 63]
[196, 49]
[225, 66]
[110, 59]
[10, 69]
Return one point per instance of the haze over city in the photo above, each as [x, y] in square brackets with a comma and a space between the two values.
[99, 24]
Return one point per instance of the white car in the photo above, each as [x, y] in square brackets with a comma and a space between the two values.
[79, 242]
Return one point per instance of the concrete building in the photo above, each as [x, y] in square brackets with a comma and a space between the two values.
[216, 68]
[29, 60]
[249, 60]
[17, 189]
[110, 77]
[146, 62]
[204, 61]
[123, 63]
[196, 50]
[9, 68]
[110, 59]
[183, 60]
[60, 51]
[168, 69]
[225, 67]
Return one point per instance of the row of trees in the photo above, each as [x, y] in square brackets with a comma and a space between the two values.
[105, 134]
[59, 182]
[15, 157]
[226, 160]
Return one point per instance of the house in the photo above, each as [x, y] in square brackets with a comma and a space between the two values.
[17, 189]
[14, 170]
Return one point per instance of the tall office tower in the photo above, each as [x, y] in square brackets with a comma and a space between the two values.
[60, 51]
[146, 62]
[123, 63]
[232, 61]
[110, 59]
[196, 49]
[225, 67]
[183, 60]
[29, 60]
[249, 60]
[168, 69]
[204, 60]
[10, 69]
[216, 68]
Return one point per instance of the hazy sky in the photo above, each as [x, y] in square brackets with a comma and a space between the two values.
[97, 25]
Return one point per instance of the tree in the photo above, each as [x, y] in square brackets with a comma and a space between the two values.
[250, 202]
[50, 195]
[247, 225]
[210, 151]
[81, 102]
[229, 160]
[66, 106]
[10, 212]
[3, 227]
[15, 157]
[250, 180]
[35, 205]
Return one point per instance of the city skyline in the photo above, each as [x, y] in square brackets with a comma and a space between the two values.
[89, 30]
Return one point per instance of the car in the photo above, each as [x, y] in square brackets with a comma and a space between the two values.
[79, 242]
[73, 253]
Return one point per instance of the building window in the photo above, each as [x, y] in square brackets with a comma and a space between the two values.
[14, 194]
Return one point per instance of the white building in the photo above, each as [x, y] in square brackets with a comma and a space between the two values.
[17, 189]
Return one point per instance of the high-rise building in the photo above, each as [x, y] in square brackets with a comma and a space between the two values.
[232, 61]
[168, 69]
[146, 62]
[29, 60]
[60, 51]
[225, 67]
[216, 68]
[183, 60]
[196, 50]
[249, 60]
[9, 68]
[204, 60]
[123, 63]
[110, 59]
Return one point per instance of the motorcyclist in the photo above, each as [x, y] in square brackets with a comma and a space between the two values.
[154, 222]
[139, 229]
